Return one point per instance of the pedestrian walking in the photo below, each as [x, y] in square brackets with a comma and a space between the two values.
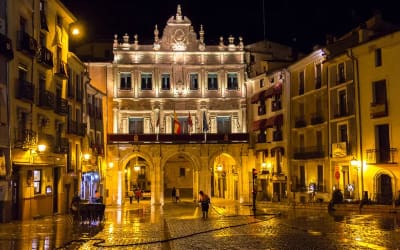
[204, 200]
[138, 194]
[173, 194]
[130, 194]
[177, 194]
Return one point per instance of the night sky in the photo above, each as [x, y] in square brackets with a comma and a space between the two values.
[301, 24]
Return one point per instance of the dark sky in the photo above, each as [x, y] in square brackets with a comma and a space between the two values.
[302, 24]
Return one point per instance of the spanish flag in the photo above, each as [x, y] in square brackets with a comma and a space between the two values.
[177, 125]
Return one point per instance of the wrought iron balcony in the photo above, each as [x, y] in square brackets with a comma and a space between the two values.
[61, 146]
[317, 119]
[72, 127]
[82, 129]
[378, 110]
[308, 153]
[45, 57]
[178, 139]
[6, 49]
[27, 44]
[46, 99]
[61, 107]
[382, 156]
[61, 70]
[300, 122]
[25, 91]
[25, 138]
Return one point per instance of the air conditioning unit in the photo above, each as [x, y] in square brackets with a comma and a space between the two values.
[2, 26]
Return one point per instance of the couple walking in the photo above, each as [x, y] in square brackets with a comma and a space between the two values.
[175, 194]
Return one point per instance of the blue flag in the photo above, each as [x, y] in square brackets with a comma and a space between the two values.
[205, 123]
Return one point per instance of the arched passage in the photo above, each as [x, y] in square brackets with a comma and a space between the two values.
[224, 177]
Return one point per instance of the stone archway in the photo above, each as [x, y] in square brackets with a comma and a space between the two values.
[224, 176]
[180, 170]
[384, 190]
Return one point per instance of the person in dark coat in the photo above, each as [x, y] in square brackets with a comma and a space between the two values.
[205, 204]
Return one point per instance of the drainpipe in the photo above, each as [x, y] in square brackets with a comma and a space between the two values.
[349, 53]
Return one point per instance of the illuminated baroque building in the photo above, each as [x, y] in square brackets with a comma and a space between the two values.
[177, 115]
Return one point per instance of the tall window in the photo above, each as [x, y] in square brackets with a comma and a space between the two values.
[301, 83]
[224, 125]
[232, 81]
[125, 81]
[212, 81]
[165, 81]
[262, 83]
[342, 100]
[379, 92]
[320, 178]
[342, 130]
[146, 81]
[318, 76]
[302, 173]
[194, 81]
[136, 126]
[341, 73]
[378, 57]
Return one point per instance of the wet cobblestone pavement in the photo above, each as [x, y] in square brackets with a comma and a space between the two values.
[229, 226]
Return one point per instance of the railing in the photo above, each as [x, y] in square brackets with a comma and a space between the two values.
[45, 57]
[25, 138]
[300, 122]
[61, 107]
[61, 146]
[46, 99]
[182, 138]
[378, 110]
[26, 91]
[26, 43]
[309, 152]
[61, 70]
[82, 129]
[72, 127]
[276, 105]
[316, 119]
[376, 156]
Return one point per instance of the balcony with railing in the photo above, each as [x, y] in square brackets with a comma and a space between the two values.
[6, 48]
[61, 107]
[61, 146]
[46, 99]
[377, 110]
[300, 122]
[72, 127]
[303, 153]
[25, 91]
[382, 156]
[61, 70]
[45, 57]
[317, 118]
[26, 43]
[81, 129]
[178, 139]
[25, 138]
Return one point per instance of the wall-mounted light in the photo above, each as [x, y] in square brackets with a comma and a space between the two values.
[111, 164]
[41, 148]
[86, 156]
[354, 162]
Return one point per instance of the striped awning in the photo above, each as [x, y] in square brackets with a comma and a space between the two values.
[274, 121]
[259, 124]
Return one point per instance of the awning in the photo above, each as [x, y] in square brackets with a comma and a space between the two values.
[274, 90]
[256, 97]
[259, 124]
[274, 121]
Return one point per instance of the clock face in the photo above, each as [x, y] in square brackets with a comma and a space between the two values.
[179, 35]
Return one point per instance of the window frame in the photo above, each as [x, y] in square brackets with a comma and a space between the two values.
[146, 79]
[210, 81]
[232, 80]
[194, 81]
[165, 81]
[125, 78]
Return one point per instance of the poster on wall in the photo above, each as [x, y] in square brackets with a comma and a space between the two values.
[2, 164]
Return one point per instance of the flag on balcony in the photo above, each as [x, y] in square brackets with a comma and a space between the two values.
[177, 125]
[190, 123]
[205, 123]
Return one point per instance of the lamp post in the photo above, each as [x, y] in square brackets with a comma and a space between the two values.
[255, 172]
[356, 165]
